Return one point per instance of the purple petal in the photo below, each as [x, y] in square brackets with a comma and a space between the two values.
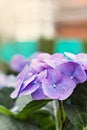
[58, 58]
[37, 66]
[20, 81]
[49, 90]
[28, 81]
[50, 62]
[23, 73]
[43, 56]
[70, 55]
[54, 75]
[16, 92]
[79, 74]
[18, 62]
[54, 60]
[65, 88]
[82, 58]
[67, 68]
[38, 94]
[29, 89]
[61, 90]
[42, 75]
[74, 70]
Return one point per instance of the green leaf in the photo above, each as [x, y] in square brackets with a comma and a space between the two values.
[76, 107]
[5, 111]
[44, 119]
[22, 101]
[5, 98]
[9, 123]
[85, 128]
[71, 127]
[31, 107]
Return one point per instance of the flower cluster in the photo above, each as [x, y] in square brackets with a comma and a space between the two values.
[51, 76]
[18, 61]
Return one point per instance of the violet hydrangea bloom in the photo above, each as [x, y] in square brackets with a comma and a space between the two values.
[81, 58]
[73, 70]
[18, 62]
[49, 76]
[57, 85]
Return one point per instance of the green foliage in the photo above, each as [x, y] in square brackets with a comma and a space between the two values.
[34, 112]
[46, 45]
[9, 123]
[31, 107]
[28, 114]
[76, 107]
[85, 45]
[5, 111]
[5, 98]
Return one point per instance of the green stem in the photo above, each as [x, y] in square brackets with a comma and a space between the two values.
[61, 114]
[65, 124]
[55, 115]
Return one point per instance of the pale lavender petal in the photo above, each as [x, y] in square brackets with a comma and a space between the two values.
[49, 90]
[28, 81]
[59, 91]
[70, 55]
[50, 62]
[54, 75]
[20, 81]
[82, 58]
[79, 74]
[18, 62]
[67, 68]
[37, 65]
[58, 58]
[16, 92]
[54, 60]
[43, 56]
[23, 73]
[65, 88]
[42, 75]
[38, 94]
[29, 89]
[74, 70]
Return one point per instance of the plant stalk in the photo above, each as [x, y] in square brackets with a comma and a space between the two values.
[61, 113]
[55, 115]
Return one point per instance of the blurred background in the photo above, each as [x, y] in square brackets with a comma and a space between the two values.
[29, 26]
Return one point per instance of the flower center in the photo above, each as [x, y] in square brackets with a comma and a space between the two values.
[54, 85]
[72, 77]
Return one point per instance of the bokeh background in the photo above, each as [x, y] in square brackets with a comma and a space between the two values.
[29, 26]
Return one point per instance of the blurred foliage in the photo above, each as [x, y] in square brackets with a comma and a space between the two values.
[85, 45]
[5, 99]
[46, 45]
[76, 107]
[38, 114]
[9, 123]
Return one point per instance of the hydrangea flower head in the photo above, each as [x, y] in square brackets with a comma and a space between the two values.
[51, 76]
[18, 62]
